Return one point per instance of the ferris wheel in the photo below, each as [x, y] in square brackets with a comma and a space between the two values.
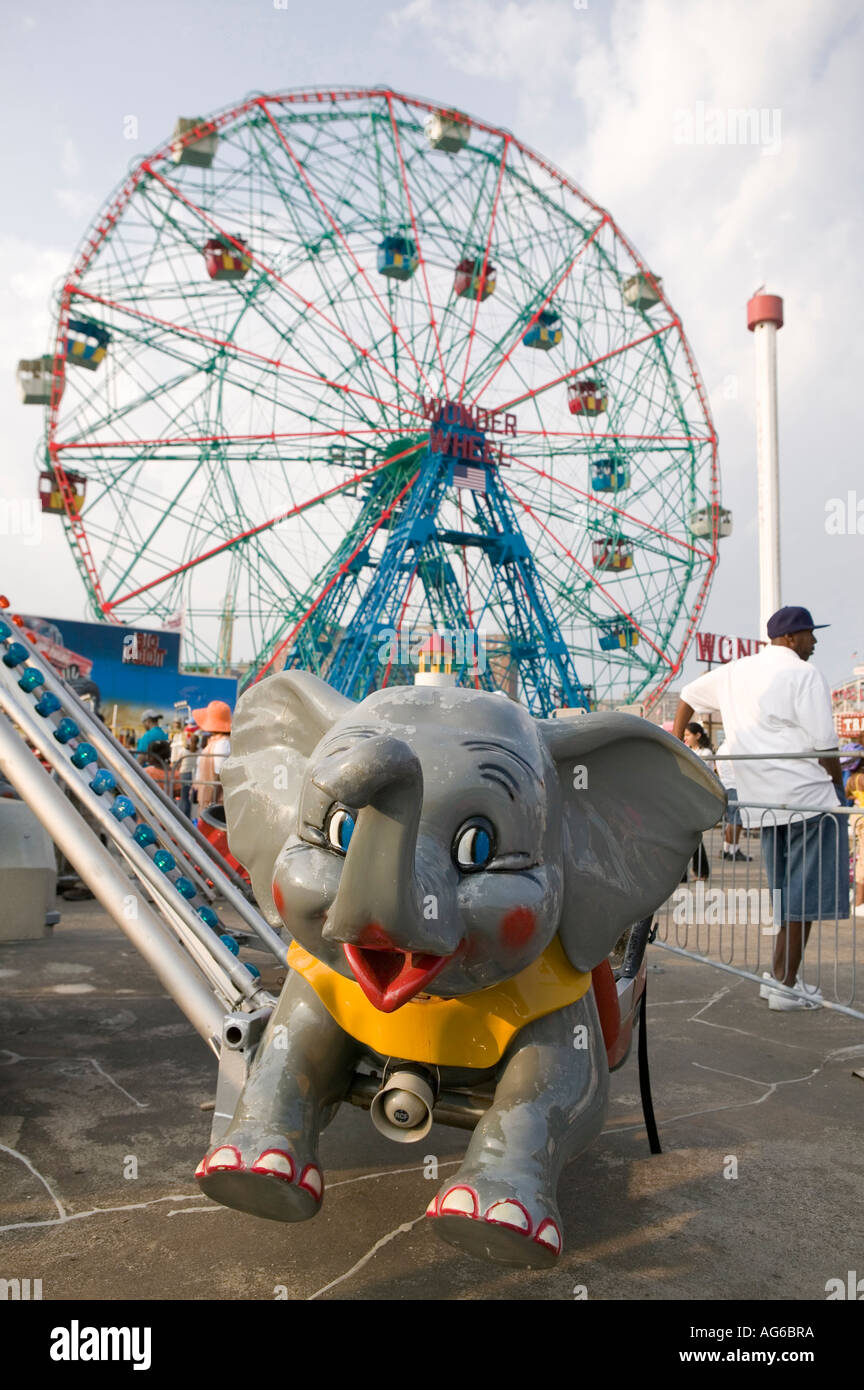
[334, 365]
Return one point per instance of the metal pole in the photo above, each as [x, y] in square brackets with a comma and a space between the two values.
[110, 887]
[158, 802]
[225, 970]
[764, 317]
[148, 792]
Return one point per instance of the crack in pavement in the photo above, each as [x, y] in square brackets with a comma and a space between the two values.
[63, 1214]
[364, 1259]
[67, 1061]
[66, 1217]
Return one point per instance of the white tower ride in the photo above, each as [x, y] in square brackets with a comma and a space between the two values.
[764, 317]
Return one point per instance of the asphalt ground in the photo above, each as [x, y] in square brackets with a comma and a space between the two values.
[103, 1089]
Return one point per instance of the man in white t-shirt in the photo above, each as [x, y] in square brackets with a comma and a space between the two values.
[775, 703]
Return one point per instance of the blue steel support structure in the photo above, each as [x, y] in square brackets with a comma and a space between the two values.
[416, 550]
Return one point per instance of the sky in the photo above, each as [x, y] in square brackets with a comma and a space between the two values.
[628, 98]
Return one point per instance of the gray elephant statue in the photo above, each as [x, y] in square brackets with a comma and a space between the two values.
[451, 870]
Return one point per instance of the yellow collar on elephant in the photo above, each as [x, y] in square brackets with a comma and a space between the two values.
[472, 1030]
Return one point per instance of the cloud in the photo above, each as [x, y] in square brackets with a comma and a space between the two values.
[25, 295]
[75, 202]
[70, 162]
[44, 575]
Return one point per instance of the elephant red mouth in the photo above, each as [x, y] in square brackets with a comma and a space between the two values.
[390, 977]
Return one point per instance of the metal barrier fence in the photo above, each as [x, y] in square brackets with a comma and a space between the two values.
[771, 896]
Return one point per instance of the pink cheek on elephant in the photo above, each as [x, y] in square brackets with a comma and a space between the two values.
[517, 928]
[277, 897]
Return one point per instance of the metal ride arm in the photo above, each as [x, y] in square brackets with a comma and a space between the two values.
[109, 885]
[160, 807]
[180, 934]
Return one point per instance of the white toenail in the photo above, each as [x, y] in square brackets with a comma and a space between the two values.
[509, 1214]
[459, 1201]
[311, 1180]
[549, 1235]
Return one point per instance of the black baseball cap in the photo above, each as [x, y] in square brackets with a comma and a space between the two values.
[787, 620]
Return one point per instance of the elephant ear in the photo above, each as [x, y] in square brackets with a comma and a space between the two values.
[277, 725]
[634, 801]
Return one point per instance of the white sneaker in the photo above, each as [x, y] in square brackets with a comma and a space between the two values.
[770, 987]
[787, 1003]
[813, 991]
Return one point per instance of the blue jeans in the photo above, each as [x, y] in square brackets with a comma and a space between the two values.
[808, 861]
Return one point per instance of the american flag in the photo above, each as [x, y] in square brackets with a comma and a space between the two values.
[466, 475]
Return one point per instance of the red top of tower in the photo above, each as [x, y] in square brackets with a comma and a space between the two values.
[764, 308]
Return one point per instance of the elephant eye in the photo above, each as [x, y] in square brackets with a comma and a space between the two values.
[474, 845]
[339, 829]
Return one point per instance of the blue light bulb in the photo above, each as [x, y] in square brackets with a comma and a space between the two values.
[67, 729]
[185, 886]
[253, 970]
[5, 631]
[144, 836]
[15, 655]
[103, 782]
[233, 946]
[84, 754]
[163, 860]
[47, 703]
[31, 679]
[208, 916]
[123, 806]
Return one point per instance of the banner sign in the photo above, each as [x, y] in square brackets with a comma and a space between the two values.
[134, 668]
[712, 647]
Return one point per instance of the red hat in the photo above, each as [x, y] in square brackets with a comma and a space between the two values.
[215, 718]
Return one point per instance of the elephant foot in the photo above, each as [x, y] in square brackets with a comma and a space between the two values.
[261, 1178]
[487, 1219]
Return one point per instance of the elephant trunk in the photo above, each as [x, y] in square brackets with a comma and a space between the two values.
[380, 902]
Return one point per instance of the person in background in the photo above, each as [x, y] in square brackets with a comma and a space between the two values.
[156, 760]
[186, 768]
[153, 731]
[203, 789]
[178, 742]
[732, 820]
[775, 703]
[851, 760]
[696, 739]
[178, 750]
[215, 721]
[855, 792]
